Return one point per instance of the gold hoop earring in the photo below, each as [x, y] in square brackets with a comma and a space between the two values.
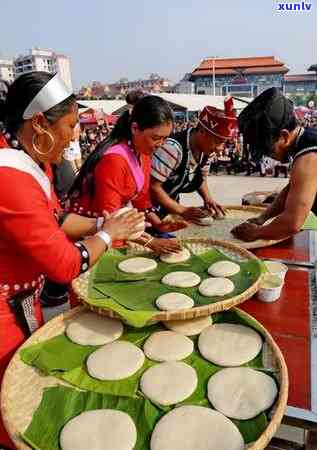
[36, 148]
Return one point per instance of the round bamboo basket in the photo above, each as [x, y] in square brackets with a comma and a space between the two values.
[220, 229]
[80, 285]
[23, 385]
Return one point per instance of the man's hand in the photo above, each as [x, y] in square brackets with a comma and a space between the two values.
[260, 220]
[247, 232]
[214, 208]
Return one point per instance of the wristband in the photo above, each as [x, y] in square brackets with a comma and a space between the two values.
[105, 237]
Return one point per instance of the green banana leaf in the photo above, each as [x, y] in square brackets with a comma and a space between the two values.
[52, 357]
[107, 268]
[134, 300]
[60, 404]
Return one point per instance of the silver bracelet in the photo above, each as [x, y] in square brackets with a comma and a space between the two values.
[148, 242]
[99, 223]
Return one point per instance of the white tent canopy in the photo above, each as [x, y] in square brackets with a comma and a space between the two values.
[195, 102]
[183, 102]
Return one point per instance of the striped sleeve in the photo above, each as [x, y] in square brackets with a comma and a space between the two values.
[166, 160]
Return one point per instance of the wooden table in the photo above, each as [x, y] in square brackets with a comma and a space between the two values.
[292, 320]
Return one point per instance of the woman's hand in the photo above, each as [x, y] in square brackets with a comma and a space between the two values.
[163, 246]
[120, 228]
[247, 232]
[168, 226]
[194, 214]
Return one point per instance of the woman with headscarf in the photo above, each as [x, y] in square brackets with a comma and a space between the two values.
[36, 239]
[117, 173]
[270, 128]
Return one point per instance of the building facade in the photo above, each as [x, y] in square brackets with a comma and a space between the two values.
[44, 60]
[245, 77]
[155, 83]
[301, 84]
[6, 70]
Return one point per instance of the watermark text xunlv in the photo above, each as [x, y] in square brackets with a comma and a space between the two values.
[290, 6]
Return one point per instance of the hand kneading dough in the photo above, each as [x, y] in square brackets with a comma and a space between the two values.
[181, 279]
[168, 346]
[190, 327]
[196, 428]
[224, 269]
[91, 329]
[137, 234]
[216, 287]
[229, 344]
[178, 257]
[169, 383]
[137, 265]
[115, 361]
[174, 300]
[241, 392]
[102, 428]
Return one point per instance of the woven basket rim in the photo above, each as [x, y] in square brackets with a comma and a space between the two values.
[14, 432]
[198, 311]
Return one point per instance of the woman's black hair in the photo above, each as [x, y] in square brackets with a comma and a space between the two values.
[134, 96]
[149, 112]
[20, 94]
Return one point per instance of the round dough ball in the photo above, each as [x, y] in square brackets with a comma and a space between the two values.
[138, 264]
[168, 346]
[181, 279]
[137, 234]
[205, 221]
[229, 344]
[169, 383]
[102, 428]
[190, 327]
[224, 269]
[174, 300]
[174, 258]
[241, 392]
[92, 329]
[196, 428]
[216, 287]
[115, 361]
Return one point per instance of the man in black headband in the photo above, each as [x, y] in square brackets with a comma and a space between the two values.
[270, 128]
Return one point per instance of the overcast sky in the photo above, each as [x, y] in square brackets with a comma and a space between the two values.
[107, 39]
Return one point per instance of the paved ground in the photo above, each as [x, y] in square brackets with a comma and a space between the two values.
[229, 189]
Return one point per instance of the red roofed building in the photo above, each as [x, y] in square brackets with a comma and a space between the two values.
[238, 76]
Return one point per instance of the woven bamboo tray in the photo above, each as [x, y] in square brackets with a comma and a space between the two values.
[23, 385]
[80, 285]
[220, 229]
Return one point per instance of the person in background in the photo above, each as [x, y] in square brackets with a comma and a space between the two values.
[182, 164]
[117, 173]
[73, 151]
[269, 125]
[37, 240]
